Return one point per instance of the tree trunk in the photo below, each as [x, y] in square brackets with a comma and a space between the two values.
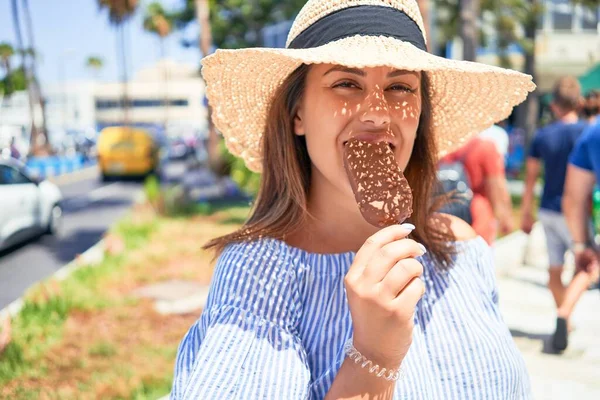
[163, 55]
[17, 26]
[205, 41]
[21, 49]
[43, 134]
[527, 112]
[122, 56]
[469, 13]
[7, 70]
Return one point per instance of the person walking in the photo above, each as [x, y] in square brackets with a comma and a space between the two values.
[309, 299]
[591, 107]
[490, 207]
[582, 173]
[550, 150]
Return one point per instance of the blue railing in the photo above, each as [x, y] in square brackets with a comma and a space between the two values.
[46, 167]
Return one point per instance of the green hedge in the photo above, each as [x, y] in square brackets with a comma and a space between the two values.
[247, 180]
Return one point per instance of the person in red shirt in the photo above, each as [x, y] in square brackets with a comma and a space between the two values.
[491, 204]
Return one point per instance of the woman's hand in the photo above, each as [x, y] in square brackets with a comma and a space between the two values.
[383, 288]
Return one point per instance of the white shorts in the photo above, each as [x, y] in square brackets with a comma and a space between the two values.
[558, 237]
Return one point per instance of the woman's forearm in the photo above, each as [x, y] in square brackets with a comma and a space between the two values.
[354, 382]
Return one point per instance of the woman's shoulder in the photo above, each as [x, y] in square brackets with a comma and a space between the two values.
[258, 254]
[462, 231]
[256, 276]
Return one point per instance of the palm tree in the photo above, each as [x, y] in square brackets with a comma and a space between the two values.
[42, 136]
[21, 50]
[469, 33]
[95, 64]
[6, 53]
[158, 22]
[119, 12]
[205, 41]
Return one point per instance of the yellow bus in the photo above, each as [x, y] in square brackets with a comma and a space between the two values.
[127, 151]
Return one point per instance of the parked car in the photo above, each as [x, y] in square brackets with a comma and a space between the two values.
[178, 149]
[28, 206]
[127, 151]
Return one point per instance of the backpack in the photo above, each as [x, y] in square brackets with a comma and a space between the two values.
[454, 181]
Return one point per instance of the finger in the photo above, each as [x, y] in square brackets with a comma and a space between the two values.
[385, 258]
[376, 242]
[400, 276]
[408, 298]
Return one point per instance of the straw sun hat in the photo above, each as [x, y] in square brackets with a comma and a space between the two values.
[466, 97]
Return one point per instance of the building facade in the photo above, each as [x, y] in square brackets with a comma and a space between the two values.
[88, 106]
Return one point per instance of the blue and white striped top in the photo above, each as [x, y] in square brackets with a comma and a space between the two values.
[277, 319]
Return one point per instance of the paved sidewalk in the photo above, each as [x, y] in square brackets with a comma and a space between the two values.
[529, 311]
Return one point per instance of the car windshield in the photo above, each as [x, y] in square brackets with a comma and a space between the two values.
[11, 176]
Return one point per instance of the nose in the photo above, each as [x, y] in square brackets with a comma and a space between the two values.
[376, 110]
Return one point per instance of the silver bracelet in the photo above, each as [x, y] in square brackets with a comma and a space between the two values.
[380, 372]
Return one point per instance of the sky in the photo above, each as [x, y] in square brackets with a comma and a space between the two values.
[70, 31]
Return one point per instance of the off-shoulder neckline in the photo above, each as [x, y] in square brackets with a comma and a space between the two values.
[460, 244]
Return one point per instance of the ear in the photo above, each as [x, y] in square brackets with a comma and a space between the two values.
[299, 123]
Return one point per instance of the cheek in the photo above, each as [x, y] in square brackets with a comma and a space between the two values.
[326, 118]
[406, 112]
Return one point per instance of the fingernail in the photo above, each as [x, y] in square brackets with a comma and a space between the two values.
[408, 227]
[423, 249]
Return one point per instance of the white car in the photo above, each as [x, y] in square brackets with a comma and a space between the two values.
[28, 207]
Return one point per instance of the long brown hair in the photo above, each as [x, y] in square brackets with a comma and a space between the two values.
[280, 207]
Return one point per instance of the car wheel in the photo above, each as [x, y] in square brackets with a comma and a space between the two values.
[54, 220]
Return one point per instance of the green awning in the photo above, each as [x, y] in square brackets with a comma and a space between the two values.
[590, 80]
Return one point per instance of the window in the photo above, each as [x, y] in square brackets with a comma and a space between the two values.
[11, 176]
[562, 15]
[589, 21]
[107, 104]
[139, 103]
[179, 103]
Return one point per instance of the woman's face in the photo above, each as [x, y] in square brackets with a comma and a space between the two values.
[339, 103]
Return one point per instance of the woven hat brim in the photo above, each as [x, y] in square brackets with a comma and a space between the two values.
[466, 97]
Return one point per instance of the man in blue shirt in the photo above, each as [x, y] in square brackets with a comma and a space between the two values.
[551, 148]
[583, 172]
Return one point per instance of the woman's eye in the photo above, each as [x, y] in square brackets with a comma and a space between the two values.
[401, 88]
[346, 84]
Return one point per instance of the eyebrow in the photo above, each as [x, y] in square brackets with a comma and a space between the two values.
[354, 71]
[362, 73]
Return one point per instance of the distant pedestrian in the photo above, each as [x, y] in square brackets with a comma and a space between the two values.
[490, 207]
[550, 150]
[14, 151]
[591, 107]
[582, 173]
[498, 135]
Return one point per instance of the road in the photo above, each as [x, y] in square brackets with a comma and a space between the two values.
[90, 208]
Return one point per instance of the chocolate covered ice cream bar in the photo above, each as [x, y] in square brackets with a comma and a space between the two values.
[382, 193]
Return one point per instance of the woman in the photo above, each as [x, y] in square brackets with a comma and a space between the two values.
[307, 287]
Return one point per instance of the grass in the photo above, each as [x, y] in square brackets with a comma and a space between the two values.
[89, 336]
[103, 349]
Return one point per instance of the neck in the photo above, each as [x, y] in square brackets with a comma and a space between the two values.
[569, 117]
[335, 224]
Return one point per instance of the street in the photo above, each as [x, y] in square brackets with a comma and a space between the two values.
[529, 311]
[90, 208]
